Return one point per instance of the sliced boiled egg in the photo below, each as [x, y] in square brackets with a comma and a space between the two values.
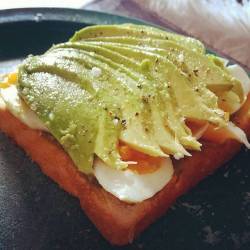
[238, 134]
[10, 99]
[220, 135]
[130, 186]
[224, 61]
[229, 101]
[2, 103]
[240, 74]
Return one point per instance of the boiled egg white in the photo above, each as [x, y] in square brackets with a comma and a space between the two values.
[10, 99]
[238, 134]
[198, 134]
[240, 74]
[130, 186]
[2, 103]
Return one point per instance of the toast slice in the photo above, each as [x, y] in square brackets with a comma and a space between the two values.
[120, 222]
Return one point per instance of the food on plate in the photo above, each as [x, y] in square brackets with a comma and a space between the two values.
[126, 118]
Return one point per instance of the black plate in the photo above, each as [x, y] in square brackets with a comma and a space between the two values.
[36, 214]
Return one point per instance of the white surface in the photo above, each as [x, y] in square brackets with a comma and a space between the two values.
[222, 24]
[42, 3]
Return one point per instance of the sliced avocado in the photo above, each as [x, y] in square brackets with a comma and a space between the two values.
[132, 30]
[106, 130]
[217, 85]
[168, 141]
[207, 95]
[40, 91]
[188, 42]
[124, 82]
[179, 84]
[133, 123]
[198, 67]
[64, 108]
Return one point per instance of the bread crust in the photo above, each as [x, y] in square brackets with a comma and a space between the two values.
[120, 222]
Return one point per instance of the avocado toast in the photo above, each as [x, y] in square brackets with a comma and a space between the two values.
[126, 95]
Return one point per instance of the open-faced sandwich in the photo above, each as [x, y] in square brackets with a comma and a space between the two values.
[127, 118]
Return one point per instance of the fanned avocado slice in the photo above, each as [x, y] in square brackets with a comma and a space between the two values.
[128, 83]
[179, 84]
[132, 30]
[140, 35]
[64, 108]
[188, 42]
[40, 91]
[156, 126]
[115, 88]
[166, 52]
[200, 69]
[137, 128]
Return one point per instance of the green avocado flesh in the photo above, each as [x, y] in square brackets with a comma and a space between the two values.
[129, 83]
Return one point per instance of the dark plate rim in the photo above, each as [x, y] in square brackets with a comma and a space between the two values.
[56, 14]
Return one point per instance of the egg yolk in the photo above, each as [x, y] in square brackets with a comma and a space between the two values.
[212, 133]
[145, 164]
[9, 80]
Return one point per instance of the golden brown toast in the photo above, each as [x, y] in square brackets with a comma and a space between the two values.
[120, 222]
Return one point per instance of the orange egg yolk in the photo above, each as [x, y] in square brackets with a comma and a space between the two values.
[9, 80]
[212, 133]
[145, 163]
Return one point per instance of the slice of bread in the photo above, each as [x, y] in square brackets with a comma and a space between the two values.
[118, 221]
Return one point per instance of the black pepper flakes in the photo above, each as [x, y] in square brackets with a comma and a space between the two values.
[145, 99]
[124, 124]
[136, 114]
[196, 71]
